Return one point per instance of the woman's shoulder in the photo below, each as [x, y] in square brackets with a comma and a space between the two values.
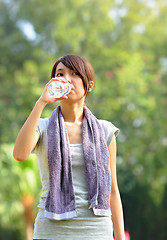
[109, 130]
[107, 125]
[42, 125]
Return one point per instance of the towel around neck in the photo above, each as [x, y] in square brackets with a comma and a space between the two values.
[60, 202]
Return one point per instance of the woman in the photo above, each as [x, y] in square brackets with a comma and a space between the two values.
[77, 161]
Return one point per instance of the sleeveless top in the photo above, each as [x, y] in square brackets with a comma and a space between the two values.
[86, 225]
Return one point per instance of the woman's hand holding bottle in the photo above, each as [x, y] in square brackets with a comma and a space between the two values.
[48, 94]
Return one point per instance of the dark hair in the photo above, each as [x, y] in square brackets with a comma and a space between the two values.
[78, 64]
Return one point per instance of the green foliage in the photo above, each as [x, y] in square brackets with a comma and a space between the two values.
[17, 180]
[126, 43]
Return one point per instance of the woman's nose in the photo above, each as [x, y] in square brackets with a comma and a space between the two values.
[68, 79]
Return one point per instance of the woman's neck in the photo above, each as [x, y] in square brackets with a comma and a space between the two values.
[72, 113]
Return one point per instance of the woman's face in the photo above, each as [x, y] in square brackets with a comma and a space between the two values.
[77, 87]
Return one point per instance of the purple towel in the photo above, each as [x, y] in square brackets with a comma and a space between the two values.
[60, 202]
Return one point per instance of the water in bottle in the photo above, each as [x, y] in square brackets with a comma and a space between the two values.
[58, 89]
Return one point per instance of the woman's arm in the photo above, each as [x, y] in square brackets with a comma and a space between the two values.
[28, 136]
[115, 200]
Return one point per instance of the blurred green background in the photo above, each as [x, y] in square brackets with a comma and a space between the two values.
[126, 43]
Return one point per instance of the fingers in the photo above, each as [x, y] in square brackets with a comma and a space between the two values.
[62, 98]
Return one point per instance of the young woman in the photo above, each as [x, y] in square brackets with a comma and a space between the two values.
[77, 162]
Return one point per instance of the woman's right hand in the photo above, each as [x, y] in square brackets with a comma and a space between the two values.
[45, 98]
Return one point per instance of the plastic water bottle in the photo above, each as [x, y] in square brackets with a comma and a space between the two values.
[58, 89]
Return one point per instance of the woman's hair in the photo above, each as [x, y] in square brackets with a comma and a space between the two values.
[78, 64]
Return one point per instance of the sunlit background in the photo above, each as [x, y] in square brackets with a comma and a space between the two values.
[126, 43]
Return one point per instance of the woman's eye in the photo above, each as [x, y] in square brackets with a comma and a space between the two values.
[74, 73]
[59, 75]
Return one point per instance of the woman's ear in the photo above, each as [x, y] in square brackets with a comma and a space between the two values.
[91, 84]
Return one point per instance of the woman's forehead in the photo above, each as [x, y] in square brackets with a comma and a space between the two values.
[61, 66]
